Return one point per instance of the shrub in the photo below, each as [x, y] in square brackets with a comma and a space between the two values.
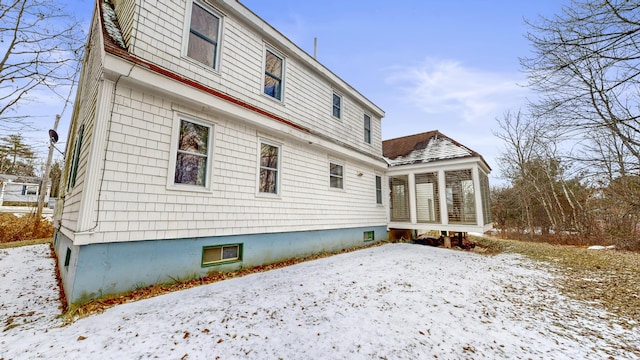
[27, 227]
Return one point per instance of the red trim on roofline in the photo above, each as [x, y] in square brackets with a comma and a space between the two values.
[114, 49]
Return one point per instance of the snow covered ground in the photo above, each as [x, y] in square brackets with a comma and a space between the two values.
[396, 301]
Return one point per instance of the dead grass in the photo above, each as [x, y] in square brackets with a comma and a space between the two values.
[27, 227]
[14, 244]
[606, 278]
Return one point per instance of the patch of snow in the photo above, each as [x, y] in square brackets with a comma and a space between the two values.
[110, 23]
[600, 247]
[438, 148]
[397, 301]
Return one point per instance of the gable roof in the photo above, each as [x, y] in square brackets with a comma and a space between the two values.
[425, 147]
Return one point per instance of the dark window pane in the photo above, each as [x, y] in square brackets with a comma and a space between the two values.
[193, 138]
[367, 129]
[190, 169]
[336, 169]
[335, 175]
[201, 50]
[230, 252]
[272, 86]
[268, 156]
[378, 190]
[273, 75]
[336, 100]
[268, 168]
[204, 23]
[268, 181]
[336, 105]
[336, 182]
[273, 65]
[203, 38]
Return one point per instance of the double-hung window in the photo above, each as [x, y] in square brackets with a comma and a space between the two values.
[273, 74]
[337, 105]
[204, 36]
[336, 177]
[367, 129]
[378, 189]
[269, 168]
[192, 154]
[75, 161]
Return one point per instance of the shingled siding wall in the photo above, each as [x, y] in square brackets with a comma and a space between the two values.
[137, 201]
[308, 86]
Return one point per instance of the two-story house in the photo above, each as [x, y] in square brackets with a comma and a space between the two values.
[203, 139]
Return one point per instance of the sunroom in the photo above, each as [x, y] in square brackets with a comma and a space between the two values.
[436, 184]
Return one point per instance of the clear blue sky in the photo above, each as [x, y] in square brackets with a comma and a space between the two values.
[446, 65]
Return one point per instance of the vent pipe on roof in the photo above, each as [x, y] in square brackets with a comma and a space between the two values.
[315, 48]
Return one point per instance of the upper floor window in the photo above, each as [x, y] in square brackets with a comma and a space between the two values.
[204, 34]
[75, 160]
[337, 105]
[269, 168]
[273, 71]
[378, 189]
[336, 176]
[192, 155]
[367, 129]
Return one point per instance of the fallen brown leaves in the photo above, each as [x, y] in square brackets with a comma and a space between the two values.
[100, 305]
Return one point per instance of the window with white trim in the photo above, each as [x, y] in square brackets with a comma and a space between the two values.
[30, 189]
[336, 177]
[269, 168]
[75, 160]
[337, 105]
[378, 189]
[367, 129]
[273, 74]
[192, 154]
[204, 35]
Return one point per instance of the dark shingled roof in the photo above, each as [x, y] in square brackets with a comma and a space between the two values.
[425, 147]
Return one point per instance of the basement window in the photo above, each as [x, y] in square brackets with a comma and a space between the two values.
[222, 254]
[67, 258]
[369, 236]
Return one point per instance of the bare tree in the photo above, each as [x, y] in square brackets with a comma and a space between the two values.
[586, 68]
[40, 47]
[533, 163]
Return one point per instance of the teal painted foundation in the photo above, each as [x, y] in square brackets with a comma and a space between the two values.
[96, 270]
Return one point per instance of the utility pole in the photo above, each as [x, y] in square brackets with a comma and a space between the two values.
[45, 177]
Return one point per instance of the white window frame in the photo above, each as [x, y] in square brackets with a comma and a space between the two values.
[378, 176]
[171, 185]
[278, 169]
[341, 108]
[187, 31]
[30, 190]
[364, 126]
[264, 72]
[343, 177]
